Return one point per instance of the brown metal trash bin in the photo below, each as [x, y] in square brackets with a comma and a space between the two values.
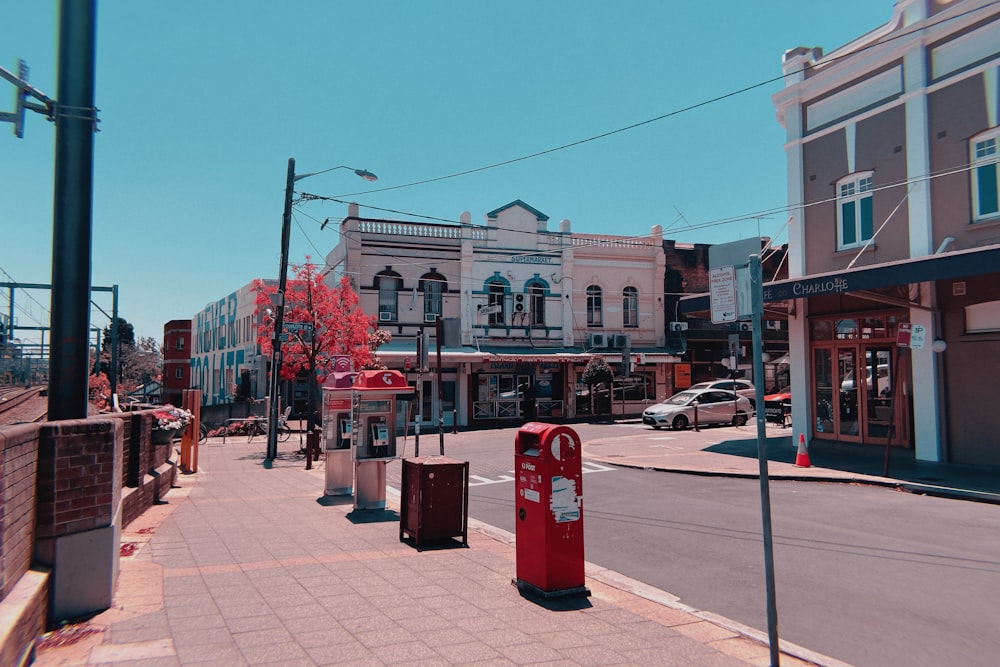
[435, 499]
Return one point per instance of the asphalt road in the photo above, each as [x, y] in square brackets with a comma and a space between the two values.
[867, 575]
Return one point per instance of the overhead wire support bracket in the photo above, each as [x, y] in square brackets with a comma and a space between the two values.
[24, 90]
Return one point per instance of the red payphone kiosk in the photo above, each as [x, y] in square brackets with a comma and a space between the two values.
[337, 433]
[377, 398]
[549, 505]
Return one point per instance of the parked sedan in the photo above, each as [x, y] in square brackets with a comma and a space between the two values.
[715, 406]
[742, 387]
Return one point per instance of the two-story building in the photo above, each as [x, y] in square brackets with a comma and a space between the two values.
[894, 243]
[176, 376]
[527, 307]
[225, 358]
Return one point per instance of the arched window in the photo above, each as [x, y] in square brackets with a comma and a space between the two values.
[595, 309]
[496, 297]
[854, 210]
[537, 289]
[630, 307]
[388, 283]
[433, 285]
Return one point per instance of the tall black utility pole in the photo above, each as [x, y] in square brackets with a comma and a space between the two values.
[279, 318]
[76, 120]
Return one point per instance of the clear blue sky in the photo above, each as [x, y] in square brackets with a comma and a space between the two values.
[202, 104]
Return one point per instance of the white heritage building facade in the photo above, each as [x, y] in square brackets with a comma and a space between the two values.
[523, 309]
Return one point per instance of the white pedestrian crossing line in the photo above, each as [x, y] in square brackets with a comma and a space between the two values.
[586, 466]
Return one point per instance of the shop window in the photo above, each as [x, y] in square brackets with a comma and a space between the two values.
[846, 329]
[854, 210]
[985, 176]
[595, 309]
[630, 307]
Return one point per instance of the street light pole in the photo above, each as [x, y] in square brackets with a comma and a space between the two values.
[279, 307]
[279, 318]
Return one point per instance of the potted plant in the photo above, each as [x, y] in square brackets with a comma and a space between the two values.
[168, 422]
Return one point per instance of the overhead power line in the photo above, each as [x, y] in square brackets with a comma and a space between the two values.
[676, 112]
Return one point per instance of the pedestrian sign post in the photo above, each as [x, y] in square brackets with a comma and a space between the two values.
[731, 300]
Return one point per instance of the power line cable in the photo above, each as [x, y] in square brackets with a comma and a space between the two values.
[833, 58]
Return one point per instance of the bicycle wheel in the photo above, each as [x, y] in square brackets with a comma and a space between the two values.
[252, 430]
[283, 433]
[202, 433]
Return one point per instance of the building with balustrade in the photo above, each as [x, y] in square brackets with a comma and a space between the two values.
[523, 309]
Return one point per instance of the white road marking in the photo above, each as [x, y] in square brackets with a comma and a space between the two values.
[586, 466]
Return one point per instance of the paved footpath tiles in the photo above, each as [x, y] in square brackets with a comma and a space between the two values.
[242, 566]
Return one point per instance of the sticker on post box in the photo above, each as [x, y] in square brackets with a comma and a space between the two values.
[531, 484]
[564, 503]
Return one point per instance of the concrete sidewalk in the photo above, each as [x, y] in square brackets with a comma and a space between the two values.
[247, 566]
[730, 451]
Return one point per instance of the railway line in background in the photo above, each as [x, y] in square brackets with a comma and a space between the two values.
[19, 404]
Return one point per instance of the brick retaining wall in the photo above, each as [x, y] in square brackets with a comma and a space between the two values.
[18, 470]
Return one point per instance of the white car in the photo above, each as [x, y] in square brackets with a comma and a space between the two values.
[741, 387]
[715, 406]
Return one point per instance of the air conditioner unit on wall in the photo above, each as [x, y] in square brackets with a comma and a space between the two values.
[597, 340]
[620, 341]
[678, 326]
[430, 317]
[519, 305]
[385, 316]
[746, 326]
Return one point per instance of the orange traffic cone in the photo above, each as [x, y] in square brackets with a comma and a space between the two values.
[802, 456]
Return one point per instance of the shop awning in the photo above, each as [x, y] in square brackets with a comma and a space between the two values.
[946, 266]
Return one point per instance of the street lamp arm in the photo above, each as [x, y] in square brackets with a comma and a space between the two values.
[363, 173]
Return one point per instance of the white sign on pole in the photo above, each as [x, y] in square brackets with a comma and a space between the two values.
[918, 333]
[722, 294]
[737, 254]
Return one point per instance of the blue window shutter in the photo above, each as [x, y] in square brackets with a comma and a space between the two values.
[848, 229]
[866, 218]
[986, 179]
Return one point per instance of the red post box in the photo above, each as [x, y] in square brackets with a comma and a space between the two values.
[549, 504]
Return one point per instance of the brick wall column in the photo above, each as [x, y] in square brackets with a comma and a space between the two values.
[79, 513]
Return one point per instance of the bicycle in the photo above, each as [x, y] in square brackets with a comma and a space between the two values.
[257, 426]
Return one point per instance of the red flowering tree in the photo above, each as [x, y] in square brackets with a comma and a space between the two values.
[339, 326]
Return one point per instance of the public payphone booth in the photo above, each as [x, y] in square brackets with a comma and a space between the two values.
[337, 432]
[377, 398]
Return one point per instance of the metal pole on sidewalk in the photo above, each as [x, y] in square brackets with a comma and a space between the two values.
[72, 218]
[279, 319]
[439, 330]
[757, 308]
